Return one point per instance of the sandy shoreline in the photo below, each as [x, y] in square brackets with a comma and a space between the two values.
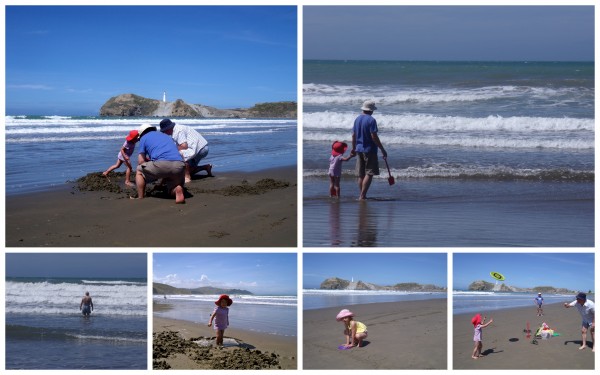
[402, 335]
[506, 346]
[230, 209]
[285, 348]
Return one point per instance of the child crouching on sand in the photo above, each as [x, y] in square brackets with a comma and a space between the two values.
[479, 325]
[221, 317]
[124, 156]
[354, 331]
[335, 167]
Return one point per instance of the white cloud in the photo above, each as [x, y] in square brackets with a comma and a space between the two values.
[29, 87]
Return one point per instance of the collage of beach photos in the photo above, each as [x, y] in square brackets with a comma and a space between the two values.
[298, 186]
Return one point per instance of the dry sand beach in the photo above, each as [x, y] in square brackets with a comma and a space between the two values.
[230, 209]
[505, 345]
[402, 335]
[242, 349]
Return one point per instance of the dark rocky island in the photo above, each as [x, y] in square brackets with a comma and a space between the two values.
[131, 105]
[335, 283]
[482, 286]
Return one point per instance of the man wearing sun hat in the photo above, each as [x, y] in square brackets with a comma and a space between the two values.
[588, 315]
[159, 159]
[191, 145]
[365, 143]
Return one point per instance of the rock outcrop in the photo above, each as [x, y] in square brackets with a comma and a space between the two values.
[131, 105]
[484, 286]
[336, 283]
[158, 288]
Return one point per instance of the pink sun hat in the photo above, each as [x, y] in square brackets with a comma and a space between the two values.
[344, 314]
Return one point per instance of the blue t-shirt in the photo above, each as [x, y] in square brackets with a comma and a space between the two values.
[364, 125]
[539, 300]
[158, 146]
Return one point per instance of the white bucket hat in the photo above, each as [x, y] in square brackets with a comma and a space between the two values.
[369, 105]
[144, 127]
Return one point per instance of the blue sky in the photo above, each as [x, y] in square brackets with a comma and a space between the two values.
[76, 265]
[574, 271]
[70, 59]
[377, 268]
[492, 33]
[259, 273]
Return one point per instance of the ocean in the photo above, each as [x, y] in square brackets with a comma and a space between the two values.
[43, 152]
[479, 302]
[46, 330]
[276, 315]
[483, 153]
[320, 299]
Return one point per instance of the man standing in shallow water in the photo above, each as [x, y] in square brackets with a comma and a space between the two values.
[86, 306]
[365, 143]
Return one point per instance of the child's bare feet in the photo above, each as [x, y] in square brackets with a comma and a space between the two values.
[129, 184]
[582, 347]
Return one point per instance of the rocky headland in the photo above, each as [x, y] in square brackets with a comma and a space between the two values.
[335, 283]
[131, 105]
[158, 288]
[482, 286]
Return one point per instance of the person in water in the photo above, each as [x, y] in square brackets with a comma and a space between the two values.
[86, 306]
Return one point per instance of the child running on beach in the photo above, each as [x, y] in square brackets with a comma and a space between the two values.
[335, 167]
[221, 317]
[479, 325]
[354, 331]
[124, 156]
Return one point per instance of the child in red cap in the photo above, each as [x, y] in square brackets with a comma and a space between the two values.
[335, 167]
[124, 156]
[479, 324]
[221, 313]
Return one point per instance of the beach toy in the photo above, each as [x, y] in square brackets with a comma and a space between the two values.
[391, 178]
[497, 275]
[528, 331]
[345, 347]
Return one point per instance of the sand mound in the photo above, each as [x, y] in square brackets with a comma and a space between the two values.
[236, 355]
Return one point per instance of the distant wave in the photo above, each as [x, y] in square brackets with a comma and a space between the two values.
[115, 282]
[495, 173]
[200, 123]
[321, 94]
[238, 299]
[25, 332]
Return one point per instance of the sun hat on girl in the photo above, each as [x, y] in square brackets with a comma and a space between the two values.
[344, 314]
[224, 297]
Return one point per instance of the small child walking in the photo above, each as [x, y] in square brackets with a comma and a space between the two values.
[335, 167]
[221, 317]
[124, 157]
[354, 331]
[479, 324]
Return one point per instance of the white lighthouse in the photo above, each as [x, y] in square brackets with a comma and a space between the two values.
[164, 96]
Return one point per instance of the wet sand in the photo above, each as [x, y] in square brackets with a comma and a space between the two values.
[505, 345]
[232, 209]
[179, 344]
[401, 335]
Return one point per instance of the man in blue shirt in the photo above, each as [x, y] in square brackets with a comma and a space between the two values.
[365, 143]
[539, 300]
[159, 159]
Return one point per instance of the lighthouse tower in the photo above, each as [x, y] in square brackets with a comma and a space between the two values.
[164, 96]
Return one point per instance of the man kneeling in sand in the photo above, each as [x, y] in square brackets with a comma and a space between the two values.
[588, 312]
[159, 159]
[86, 306]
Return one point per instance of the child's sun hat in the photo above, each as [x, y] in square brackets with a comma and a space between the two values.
[224, 297]
[132, 135]
[338, 148]
[476, 320]
[344, 314]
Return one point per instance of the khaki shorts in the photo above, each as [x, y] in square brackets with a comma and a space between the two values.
[172, 172]
[367, 164]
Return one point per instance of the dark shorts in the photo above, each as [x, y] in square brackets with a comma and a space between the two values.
[172, 172]
[367, 164]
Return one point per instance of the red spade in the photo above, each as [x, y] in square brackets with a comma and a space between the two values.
[391, 178]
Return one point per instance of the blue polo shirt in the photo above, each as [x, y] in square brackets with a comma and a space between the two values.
[158, 146]
[364, 125]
